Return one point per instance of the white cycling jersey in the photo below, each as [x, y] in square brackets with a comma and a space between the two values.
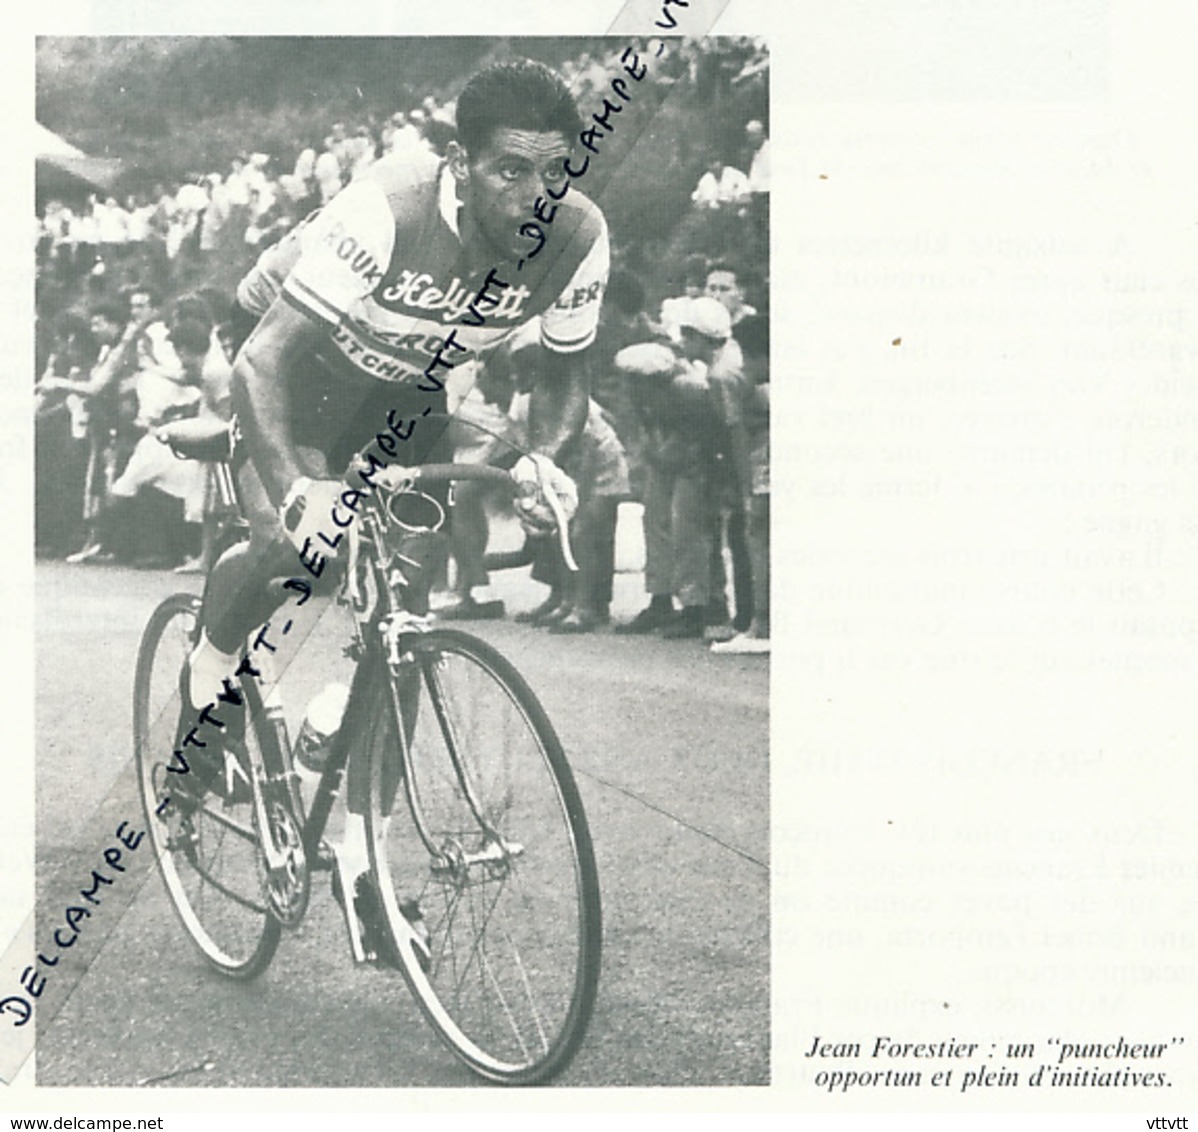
[384, 266]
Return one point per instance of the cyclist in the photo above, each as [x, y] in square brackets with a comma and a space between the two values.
[354, 305]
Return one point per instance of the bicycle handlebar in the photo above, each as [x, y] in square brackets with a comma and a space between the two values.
[450, 473]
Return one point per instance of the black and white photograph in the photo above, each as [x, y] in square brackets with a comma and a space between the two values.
[402, 561]
[431, 712]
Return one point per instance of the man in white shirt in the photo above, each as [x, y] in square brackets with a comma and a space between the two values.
[720, 186]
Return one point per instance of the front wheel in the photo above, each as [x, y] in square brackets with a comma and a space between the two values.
[491, 870]
[205, 840]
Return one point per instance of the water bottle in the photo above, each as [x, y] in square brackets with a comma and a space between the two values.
[321, 721]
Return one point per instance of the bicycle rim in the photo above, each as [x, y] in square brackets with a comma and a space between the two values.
[208, 850]
[502, 882]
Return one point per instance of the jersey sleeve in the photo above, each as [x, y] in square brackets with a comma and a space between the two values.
[571, 323]
[344, 251]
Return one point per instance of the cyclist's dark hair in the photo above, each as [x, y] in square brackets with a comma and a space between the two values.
[192, 335]
[753, 335]
[519, 95]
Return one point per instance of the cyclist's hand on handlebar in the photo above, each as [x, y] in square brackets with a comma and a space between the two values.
[307, 512]
[538, 478]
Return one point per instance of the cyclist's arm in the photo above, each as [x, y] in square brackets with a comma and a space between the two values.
[557, 404]
[261, 396]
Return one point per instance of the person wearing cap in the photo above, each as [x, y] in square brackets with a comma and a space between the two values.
[689, 416]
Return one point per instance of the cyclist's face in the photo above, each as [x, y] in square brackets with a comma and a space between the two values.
[503, 181]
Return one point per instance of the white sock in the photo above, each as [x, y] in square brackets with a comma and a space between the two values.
[208, 669]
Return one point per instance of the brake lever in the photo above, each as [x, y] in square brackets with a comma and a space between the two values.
[563, 526]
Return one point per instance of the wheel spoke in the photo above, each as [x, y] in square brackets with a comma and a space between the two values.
[499, 853]
[528, 993]
[478, 932]
[206, 848]
[482, 948]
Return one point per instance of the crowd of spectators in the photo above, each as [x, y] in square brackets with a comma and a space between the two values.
[125, 289]
[134, 300]
[212, 225]
[679, 422]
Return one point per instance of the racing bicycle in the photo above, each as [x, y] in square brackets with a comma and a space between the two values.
[482, 887]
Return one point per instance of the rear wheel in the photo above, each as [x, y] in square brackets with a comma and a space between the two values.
[206, 843]
[488, 882]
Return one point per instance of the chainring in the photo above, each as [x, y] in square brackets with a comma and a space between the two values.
[289, 885]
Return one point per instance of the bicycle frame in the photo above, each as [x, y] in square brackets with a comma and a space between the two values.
[372, 588]
[381, 624]
[449, 898]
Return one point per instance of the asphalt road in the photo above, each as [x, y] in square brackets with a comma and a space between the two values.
[670, 748]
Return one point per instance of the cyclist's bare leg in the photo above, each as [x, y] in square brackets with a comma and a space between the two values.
[238, 596]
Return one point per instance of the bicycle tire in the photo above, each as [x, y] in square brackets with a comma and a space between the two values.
[207, 852]
[528, 917]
